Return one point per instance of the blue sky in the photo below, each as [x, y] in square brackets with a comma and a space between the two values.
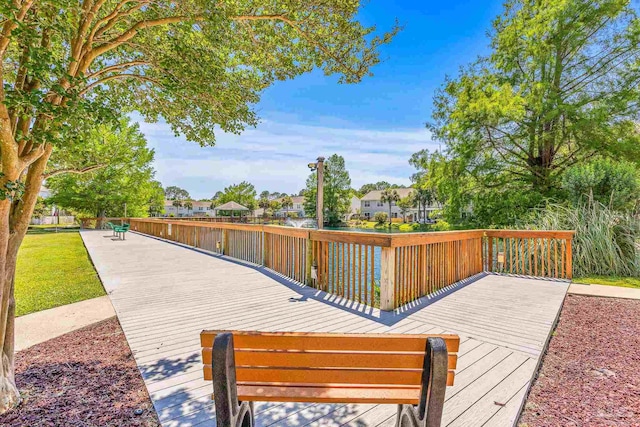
[376, 125]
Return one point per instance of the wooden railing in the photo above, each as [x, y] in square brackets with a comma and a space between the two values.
[530, 253]
[99, 223]
[375, 269]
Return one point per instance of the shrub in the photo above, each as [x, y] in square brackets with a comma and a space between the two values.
[441, 226]
[605, 242]
[609, 182]
[381, 217]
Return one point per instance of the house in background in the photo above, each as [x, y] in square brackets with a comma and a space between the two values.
[354, 207]
[371, 203]
[297, 209]
[198, 209]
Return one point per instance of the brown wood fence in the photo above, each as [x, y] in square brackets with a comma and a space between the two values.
[379, 270]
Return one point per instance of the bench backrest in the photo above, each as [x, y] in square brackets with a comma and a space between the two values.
[312, 359]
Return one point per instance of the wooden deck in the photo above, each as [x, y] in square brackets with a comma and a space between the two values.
[165, 294]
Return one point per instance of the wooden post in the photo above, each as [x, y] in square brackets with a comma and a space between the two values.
[320, 195]
[569, 259]
[490, 253]
[225, 242]
[387, 279]
[309, 260]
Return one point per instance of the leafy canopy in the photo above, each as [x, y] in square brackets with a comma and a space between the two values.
[127, 179]
[560, 85]
[176, 193]
[243, 193]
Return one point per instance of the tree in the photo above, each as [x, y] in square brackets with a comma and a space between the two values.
[614, 184]
[215, 200]
[68, 66]
[176, 193]
[265, 195]
[40, 208]
[389, 196]
[264, 203]
[336, 194]
[380, 217]
[559, 86]
[127, 179]
[405, 204]
[243, 193]
[188, 204]
[274, 206]
[155, 199]
[287, 203]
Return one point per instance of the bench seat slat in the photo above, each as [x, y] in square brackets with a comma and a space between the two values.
[328, 394]
[342, 342]
[324, 359]
[409, 377]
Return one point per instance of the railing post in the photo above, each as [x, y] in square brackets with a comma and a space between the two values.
[387, 278]
[266, 245]
[489, 253]
[225, 241]
[309, 260]
[569, 259]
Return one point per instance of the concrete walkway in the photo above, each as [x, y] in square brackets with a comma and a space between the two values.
[32, 329]
[604, 291]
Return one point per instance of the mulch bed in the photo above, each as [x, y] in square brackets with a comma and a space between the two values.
[590, 375]
[84, 378]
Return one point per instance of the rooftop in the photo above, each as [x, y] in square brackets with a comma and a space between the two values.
[377, 194]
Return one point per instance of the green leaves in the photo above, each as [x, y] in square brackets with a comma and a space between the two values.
[560, 85]
[11, 190]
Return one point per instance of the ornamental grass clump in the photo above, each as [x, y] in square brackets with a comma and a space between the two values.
[606, 241]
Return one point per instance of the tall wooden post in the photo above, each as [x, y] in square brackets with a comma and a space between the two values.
[569, 259]
[320, 193]
[387, 279]
[489, 254]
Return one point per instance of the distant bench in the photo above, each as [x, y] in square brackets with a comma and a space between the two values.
[411, 371]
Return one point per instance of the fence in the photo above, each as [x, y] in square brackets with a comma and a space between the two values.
[99, 223]
[379, 270]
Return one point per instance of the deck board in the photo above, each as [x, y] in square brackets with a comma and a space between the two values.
[164, 294]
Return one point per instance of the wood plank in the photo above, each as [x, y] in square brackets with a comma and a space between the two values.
[319, 359]
[328, 395]
[334, 341]
[327, 376]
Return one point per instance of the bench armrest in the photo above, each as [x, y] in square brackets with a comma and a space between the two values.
[229, 412]
[432, 393]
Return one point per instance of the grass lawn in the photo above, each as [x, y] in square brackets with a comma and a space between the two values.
[625, 282]
[54, 270]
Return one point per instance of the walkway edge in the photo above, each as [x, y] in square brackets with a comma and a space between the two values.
[604, 291]
[35, 328]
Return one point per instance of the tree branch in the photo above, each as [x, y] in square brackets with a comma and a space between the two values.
[73, 170]
[114, 77]
[117, 67]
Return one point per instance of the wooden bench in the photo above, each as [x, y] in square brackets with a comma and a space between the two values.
[411, 371]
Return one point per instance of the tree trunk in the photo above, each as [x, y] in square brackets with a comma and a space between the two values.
[9, 395]
[14, 222]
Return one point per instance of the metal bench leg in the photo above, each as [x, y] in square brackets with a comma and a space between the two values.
[434, 384]
[229, 411]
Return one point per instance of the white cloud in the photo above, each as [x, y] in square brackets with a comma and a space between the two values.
[274, 155]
